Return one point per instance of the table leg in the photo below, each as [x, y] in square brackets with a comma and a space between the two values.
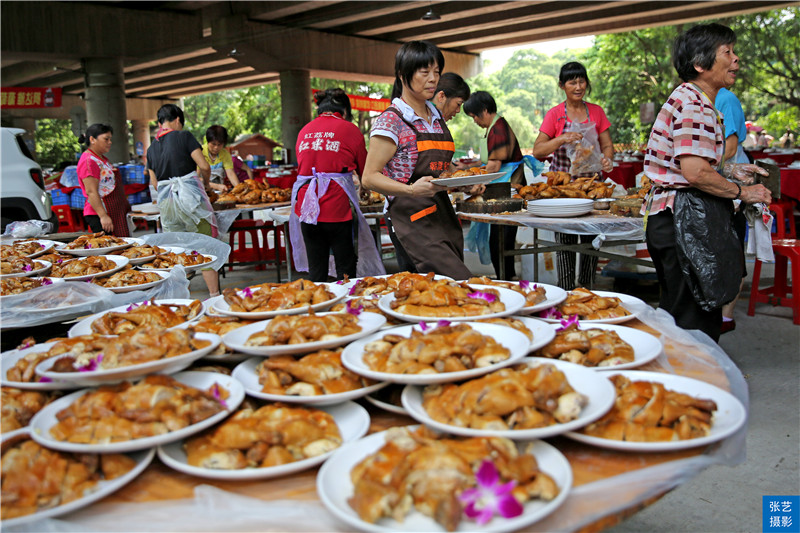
[288, 251]
[501, 240]
[535, 258]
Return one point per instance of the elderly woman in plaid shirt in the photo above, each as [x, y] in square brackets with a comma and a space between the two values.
[684, 153]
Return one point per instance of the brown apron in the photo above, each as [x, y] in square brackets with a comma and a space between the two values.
[428, 228]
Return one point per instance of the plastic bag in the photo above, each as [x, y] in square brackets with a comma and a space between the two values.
[585, 154]
[183, 204]
[27, 229]
[709, 251]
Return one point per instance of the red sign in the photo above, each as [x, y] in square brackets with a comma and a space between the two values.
[365, 103]
[30, 97]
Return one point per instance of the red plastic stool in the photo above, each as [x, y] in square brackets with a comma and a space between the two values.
[241, 252]
[785, 250]
[67, 220]
[277, 252]
[784, 212]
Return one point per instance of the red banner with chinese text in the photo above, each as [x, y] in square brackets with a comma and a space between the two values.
[365, 103]
[30, 97]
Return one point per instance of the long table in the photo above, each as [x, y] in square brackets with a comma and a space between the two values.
[608, 485]
[611, 230]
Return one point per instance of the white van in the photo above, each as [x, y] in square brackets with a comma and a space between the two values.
[22, 194]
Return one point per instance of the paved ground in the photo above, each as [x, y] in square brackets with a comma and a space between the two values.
[766, 348]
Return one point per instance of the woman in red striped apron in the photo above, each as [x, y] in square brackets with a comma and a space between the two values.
[106, 203]
[410, 145]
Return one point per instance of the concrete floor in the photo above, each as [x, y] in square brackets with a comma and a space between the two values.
[766, 348]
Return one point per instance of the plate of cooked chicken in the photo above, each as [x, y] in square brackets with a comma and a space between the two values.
[658, 412]
[40, 483]
[453, 482]
[599, 307]
[538, 296]
[297, 334]
[269, 300]
[534, 399]
[166, 313]
[435, 352]
[318, 378]
[86, 268]
[18, 366]
[131, 416]
[129, 279]
[97, 244]
[271, 440]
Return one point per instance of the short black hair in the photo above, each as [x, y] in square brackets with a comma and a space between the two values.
[574, 71]
[411, 57]
[169, 112]
[217, 133]
[479, 102]
[334, 100]
[453, 86]
[698, 46]
[95, 130]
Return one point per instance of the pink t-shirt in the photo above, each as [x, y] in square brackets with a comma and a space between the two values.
[554, 121]
[87, 167]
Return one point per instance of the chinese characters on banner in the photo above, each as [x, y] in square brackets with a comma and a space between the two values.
[30, 97]
[365, 103]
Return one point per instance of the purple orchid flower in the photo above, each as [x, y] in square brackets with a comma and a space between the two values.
[195, 252]
[355, 311]
[247, 292]
[483, 296]
[352, 290]
[423, 326]
[46, 281]
[551, 313]
[565, 324]
[490, 497]
[442, 323]
[215, 392]
[93, 364]
[44, 379]
[340, 282]
[524, 284]
[27, 268]
[88, 246]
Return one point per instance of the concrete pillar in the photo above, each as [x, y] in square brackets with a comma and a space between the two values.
[29, 125]
[141, 134]
[105, 102]
[295, 107]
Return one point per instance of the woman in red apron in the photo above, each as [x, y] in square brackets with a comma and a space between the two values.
[106, 203]
[409, 146]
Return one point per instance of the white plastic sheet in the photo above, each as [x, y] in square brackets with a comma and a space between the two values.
[216, 510]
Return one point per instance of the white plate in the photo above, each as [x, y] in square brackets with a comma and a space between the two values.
[462, 181]
[517, 343]
[350, 284]
[247, 375]
[84, 326]
[9, 359]
[352, 420]
[47, 245]
[339, 292]
[54, 280]
[147, 209]
[594, 385]
[553, 296]
[85, 252]
[560, 207]
[236, 339]
[335, 488]
[541, 336]
[511, 299]
[39, 267]
[163, 274]
[386, 406]
[45, 419]
[190, 268]
[728, 418]
[626, 300]
[169, 365]
[118, 260]
[646, 347]
[98, 492]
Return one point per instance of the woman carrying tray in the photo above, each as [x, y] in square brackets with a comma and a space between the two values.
[410, 145]
[330, 149]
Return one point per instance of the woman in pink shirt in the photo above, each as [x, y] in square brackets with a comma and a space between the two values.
[552, 139]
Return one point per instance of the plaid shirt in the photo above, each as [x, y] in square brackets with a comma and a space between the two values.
[688, 124]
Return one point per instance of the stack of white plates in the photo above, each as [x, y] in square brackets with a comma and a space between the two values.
[560, 207]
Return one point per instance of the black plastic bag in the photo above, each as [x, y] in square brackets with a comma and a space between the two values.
[709, 250]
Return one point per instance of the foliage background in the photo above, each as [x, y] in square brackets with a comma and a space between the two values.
[626, 70]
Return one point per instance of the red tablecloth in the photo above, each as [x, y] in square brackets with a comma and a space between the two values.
[284, 182]
[790, 183]
[625, 173]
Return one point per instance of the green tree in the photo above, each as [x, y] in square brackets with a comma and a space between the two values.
[55, 142]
